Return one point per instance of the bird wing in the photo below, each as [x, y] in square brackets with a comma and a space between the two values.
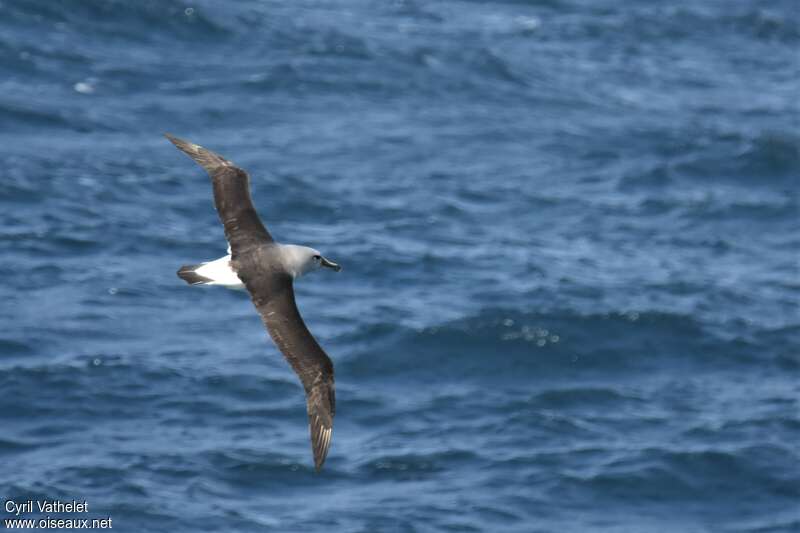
[271, 291]
[243, 228]
[273, 296]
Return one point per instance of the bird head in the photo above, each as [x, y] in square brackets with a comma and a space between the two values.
[300, 260]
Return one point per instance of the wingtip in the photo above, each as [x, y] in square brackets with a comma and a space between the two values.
[321, 408]
[177, 141]
[204, 157]
[320, 446]
[180, 144]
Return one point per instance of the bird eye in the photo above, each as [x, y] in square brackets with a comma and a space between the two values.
[317, 258]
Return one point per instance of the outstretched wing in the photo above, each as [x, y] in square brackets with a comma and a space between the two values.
[271, 291]
[243, 228]
[275, 302]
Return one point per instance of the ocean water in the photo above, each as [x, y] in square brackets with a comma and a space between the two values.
[570, 233]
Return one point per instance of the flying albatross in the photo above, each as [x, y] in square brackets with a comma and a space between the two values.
[267, 270]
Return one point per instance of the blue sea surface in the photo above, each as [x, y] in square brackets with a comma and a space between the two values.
[570, 233]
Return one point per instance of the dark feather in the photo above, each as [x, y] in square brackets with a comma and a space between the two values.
[243, 228]
[273, 296]
[187, 273]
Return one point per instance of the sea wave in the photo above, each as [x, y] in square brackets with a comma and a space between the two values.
[509, 344]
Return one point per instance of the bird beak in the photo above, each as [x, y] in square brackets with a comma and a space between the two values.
[330, 264]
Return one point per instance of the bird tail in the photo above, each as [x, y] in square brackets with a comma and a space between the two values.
[188, 274]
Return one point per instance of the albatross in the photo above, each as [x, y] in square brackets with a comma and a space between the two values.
[267, 270]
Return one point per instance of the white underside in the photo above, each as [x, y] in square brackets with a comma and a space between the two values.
[220, 273]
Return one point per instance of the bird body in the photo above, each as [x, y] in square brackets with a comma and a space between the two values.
[267, 270]
[296, 260]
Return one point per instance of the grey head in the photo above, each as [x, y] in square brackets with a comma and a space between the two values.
[298, 260]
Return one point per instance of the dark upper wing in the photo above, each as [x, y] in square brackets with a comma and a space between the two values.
[243, 228]
[273, 296]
